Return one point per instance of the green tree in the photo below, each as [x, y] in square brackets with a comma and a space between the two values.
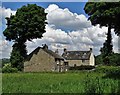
[107, 48]
[28, 23]
[104, 14]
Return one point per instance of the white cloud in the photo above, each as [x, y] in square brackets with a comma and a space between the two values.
[65, 20]
[82, 36]
[75, 40]
[72, 31]
[5, 13]
[5, 46]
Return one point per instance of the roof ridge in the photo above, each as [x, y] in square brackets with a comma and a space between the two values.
[74, 51]
[53, 53]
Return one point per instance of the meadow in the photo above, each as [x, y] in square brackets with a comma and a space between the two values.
[68, 82]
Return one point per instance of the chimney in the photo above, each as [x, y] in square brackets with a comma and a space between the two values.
[45, 46]
[56, 51]
[91, 49]
[65, 50]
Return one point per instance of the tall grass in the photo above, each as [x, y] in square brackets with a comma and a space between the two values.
[80, 82]
[100, 86]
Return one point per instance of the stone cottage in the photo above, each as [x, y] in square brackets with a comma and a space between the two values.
[43, 59]
[78, 58]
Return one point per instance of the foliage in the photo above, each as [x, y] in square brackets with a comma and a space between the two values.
[8, 69]
[105, 14]
[114, 59]
[28, 23]
[17, 56]
[16, 59]
[106, 69]
[107, 46]
[107, 49]
[4, 61]
[82, 67]
[98, 60]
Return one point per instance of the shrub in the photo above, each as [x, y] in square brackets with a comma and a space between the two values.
[98, 60]
[82, 67]
[8, 69]
[106, 69]
[113, 59]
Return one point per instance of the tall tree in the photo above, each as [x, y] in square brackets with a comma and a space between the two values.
[107, 48]
[105, 14]
[28, 23]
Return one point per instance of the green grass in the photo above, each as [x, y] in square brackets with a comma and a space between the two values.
[70, 82]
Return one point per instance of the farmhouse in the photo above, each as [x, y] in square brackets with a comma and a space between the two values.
[78, 58]
[43, 59]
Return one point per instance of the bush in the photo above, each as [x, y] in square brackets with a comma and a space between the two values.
[113, 59]
[4, 61]
[98, 60]
[106, 69]
[8, 69]
[82, 67]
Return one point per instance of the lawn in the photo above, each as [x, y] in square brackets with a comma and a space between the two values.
[69, 82]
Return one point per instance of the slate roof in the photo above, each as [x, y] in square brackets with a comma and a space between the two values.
[50, 52]
[76, 55]
[53, 54]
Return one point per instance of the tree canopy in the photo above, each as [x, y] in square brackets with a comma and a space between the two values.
[105, 14]
[28, 23]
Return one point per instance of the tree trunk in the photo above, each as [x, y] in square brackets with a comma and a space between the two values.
[109, 41]
[18, 55]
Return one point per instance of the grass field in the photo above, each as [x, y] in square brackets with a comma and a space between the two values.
[70, 82]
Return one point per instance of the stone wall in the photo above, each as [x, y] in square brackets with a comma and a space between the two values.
[78, 62]
[40, 62]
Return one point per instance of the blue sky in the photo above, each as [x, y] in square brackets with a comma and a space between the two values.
[68, 27]
[75, 7]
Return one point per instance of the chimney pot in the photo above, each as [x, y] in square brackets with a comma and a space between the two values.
[65, 50]
[45, 46]
[90, 49]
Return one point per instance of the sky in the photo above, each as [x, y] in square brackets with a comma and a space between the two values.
[68, 27]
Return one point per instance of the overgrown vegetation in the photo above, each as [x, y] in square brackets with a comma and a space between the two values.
[7, 68]
[4, 61]
[69, 82]
[82, 67]
[114, 59]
